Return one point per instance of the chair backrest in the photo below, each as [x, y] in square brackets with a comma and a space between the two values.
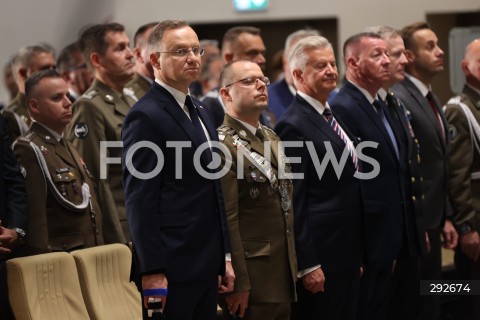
[45, 287]
[104, 273]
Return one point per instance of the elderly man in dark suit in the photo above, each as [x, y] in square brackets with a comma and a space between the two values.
[13, 213]
[425, 61]
[328, 206]
[174, 206]
[367, 69]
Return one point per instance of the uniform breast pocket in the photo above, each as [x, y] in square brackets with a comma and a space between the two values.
[256, 248]
[67, 184]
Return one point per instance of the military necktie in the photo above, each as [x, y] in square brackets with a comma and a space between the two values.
[259, 134]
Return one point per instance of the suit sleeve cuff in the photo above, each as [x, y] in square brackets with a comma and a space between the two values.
[301, 273]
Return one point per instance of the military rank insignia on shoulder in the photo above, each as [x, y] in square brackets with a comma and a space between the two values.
[90, 94]
[81, 130]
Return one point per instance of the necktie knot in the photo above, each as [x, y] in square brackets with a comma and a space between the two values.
[378, 105]
[327, 113]
[259, 134]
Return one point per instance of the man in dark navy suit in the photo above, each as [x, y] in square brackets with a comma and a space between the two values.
[327, 206]
[174, 207]
[13, 213]
[406, 291]
[367, 69]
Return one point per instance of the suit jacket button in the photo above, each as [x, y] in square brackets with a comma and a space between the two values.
[247, 254]
[413, 179]
[414, 198]
[64, 246]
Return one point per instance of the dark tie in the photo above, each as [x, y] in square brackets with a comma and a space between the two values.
[327, 113]
[192, 110]
[434, 106]
[259, 134]
[380, 107]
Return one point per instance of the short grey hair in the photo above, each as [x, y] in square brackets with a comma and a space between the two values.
[296, 36]
[385, 32]
[297, 58]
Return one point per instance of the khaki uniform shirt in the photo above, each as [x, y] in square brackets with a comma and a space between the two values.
[53, 224]
[98, 116]
[260, 220]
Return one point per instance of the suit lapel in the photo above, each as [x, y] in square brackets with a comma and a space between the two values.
[423, 104]
[370, 111]
[171, 106]
[318, 121]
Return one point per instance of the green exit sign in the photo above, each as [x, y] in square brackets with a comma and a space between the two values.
[250, 5]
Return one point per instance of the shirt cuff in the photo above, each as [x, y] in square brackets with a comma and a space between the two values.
[228, 257]
[301, 273]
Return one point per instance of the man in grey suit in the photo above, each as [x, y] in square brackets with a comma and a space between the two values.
[425, 61]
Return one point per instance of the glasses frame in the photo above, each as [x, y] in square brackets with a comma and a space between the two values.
[265, 80]
[182, 53]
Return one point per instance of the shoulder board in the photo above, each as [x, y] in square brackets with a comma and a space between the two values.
[90, 94]
[270, 132]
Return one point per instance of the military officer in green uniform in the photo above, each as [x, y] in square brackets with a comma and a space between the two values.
[259, 204]
[143, 78]
[463, 115]
[27, 61]
[98, 116]
[63, 213]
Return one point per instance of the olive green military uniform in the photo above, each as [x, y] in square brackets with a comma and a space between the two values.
[16, 116]
[63, 213]
[138, 85]
[260, 222]
[98, 116]
[464, 180]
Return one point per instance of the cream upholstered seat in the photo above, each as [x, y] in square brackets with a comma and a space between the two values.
[104, 273]
[45, 287]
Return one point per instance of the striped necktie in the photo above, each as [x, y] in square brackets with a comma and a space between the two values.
[327, 113]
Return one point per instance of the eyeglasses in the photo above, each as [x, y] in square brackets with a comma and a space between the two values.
[183, 52]
[250, 81]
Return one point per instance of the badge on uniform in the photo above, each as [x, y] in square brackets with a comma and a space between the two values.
[81, 130]
[44, 150]
[452, 131]
[242, 133]
[23, 171]
[254, 192]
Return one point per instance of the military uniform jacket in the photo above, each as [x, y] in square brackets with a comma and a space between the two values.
[98, 116]
[138, 85]
[16, 116]
[260, 220]
[464, 161]
[52, 223]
